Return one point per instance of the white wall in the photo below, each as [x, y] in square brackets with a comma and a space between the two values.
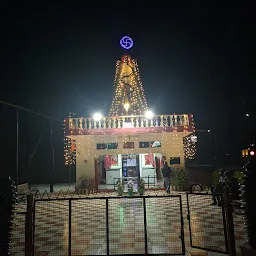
[114, 172]
[146, 170]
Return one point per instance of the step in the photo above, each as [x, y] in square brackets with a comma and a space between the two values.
[196, 252]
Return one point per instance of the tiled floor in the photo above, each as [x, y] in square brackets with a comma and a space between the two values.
[126, 226]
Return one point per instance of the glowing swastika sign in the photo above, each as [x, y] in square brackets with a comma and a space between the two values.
[126, 42]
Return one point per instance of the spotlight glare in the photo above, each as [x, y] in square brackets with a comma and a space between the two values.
[97, 116]
[149, 114]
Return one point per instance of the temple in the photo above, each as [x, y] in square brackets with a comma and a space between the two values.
[132, 142]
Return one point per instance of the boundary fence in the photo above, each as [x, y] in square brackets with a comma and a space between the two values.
[129, 222]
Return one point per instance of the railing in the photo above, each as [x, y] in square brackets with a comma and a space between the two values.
[110, 226]
[129, 122]
[7, 207]
[149, 180]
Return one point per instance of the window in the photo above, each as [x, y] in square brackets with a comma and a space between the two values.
[145, 144]
[174, 160]
[155, 144]
[101, 146]
[149, 144]
[113, 145]
[128, 145]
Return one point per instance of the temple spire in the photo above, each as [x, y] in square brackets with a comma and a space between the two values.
[129, 98]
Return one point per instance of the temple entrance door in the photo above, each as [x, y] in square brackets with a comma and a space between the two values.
[130, 166]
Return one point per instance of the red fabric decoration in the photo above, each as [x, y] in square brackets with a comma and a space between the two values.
[152, 160]
[147, 160]
[114, 160]
[107, 161]
[73, 146]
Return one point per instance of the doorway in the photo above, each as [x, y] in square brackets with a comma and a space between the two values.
[130, 166]
[101, 171]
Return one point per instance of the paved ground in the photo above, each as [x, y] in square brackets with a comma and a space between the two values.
[126, 226]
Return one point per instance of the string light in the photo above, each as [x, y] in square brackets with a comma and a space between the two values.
[69, 147]
[189, 147]
[129, 91]
[172, 142]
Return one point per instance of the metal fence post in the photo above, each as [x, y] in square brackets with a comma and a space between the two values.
[29, 226]
[145, 225]
[182, 228]
[225, 224]
[69, 226]
[230, 223]
[189, 220]
[34, 224]
[107, 226]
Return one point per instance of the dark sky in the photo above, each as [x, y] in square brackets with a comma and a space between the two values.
[197, 58]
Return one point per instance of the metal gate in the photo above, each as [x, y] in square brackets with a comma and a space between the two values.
[109, 226]
[207, 223]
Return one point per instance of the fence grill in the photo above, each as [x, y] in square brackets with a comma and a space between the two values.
[109, 226]
[207, 223]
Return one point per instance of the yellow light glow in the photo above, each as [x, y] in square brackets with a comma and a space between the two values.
[126, 106]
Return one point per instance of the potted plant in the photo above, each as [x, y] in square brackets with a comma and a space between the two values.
[141, 187]
[120, 189]
[130, 188]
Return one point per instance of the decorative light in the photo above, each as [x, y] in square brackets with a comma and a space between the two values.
[130, 99]
[252, 153]
[149, 114]
[97, 116]
[194, 138]
[189, 143]
[128, 87]
[126, 106]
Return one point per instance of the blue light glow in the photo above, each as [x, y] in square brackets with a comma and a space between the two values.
[126, 42]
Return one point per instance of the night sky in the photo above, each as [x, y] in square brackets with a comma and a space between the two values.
[60, 58]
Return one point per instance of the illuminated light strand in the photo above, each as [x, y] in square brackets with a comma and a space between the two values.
[127, 73]
[189, 147]
[128, 70]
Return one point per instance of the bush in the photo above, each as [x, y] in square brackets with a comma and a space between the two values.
[215, 177]
[141, 187]
[239, 176]
[120, 188]
[179, 178]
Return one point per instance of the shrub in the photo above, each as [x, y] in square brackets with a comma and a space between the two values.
[120, 188]
[179, 177]
[215, 177]
[239, 176]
